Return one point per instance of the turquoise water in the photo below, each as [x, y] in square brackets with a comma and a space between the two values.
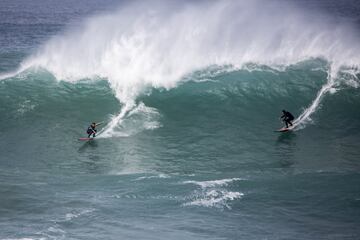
[187, 149]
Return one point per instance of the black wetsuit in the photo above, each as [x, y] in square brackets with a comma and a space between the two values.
[287, 118]
[91, 130]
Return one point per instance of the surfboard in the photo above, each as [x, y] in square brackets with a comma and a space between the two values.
[284, 129]
[86, 139]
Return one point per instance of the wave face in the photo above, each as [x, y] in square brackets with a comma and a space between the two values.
[190, 94]
[216, 105]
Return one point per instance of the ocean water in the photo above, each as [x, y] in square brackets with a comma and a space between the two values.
[190, 94]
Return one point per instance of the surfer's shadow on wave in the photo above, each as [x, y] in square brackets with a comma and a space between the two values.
[93, 164]
[285, 149]
[87, 146]
[90, 160]
[287, 138]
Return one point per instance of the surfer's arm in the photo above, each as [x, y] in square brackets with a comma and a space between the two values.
[98, 123]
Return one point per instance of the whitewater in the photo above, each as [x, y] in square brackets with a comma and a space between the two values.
[190, 93]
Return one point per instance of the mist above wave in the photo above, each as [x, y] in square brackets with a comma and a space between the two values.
[156, 44]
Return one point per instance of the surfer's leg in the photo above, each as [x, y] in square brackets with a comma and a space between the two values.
[284, 122]
[290, 121]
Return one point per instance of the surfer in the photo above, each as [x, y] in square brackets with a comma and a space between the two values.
[287, 117]
[92, 129]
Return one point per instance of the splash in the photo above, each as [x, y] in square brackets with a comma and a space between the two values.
[304, 117]
[331, 86]
[132, 119]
